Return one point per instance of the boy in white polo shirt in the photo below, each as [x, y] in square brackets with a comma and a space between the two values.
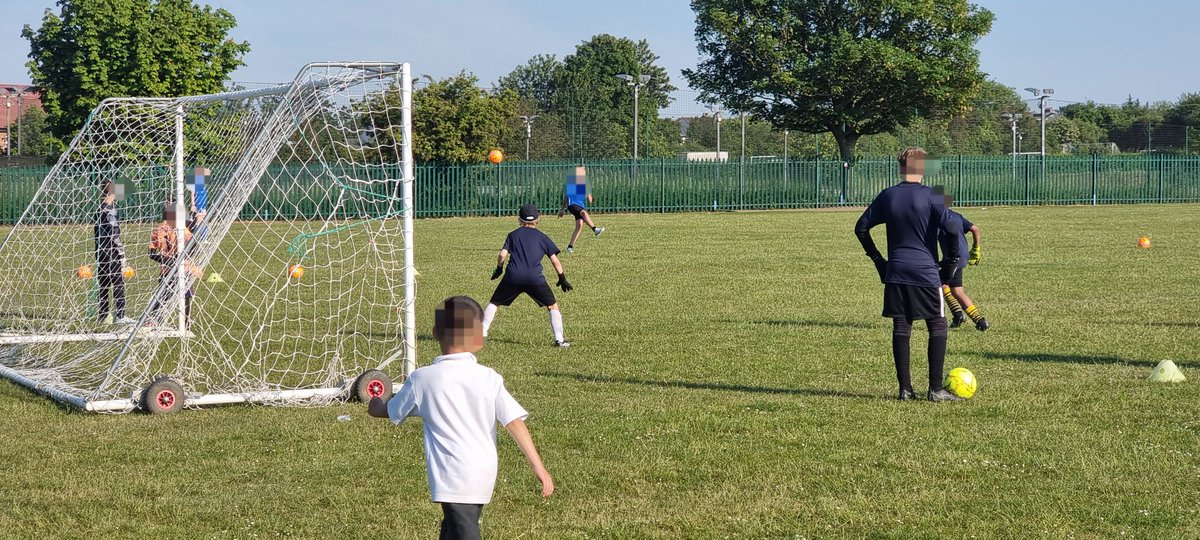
[460, 402]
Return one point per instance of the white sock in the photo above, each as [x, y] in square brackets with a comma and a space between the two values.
[489, 313]
[556, 324]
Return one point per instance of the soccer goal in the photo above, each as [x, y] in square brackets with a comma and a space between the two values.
[267, 239]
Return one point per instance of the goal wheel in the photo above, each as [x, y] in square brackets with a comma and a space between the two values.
[163, 396]
[371, 384]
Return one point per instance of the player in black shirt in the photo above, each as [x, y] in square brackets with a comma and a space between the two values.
[527, 246]
[110, 256]
[952, 290]
[912, 277]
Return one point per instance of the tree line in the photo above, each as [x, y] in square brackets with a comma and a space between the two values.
[812, 78]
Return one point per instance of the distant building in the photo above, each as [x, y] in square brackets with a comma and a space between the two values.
[704, 156]
[18, 98]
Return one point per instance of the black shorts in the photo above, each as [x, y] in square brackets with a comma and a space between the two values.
[957, 279]
[576, 211]
[508, 291]
[912, 302]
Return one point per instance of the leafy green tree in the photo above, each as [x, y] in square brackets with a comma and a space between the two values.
[847, 67]
[33, 137]
[535, 81]
[456, 121]
[599, 107]
[95, 49]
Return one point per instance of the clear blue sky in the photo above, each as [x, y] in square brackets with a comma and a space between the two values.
[1102, 50]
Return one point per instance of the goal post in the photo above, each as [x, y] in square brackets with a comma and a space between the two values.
[280, 271]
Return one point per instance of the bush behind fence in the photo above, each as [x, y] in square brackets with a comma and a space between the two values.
[668, 185]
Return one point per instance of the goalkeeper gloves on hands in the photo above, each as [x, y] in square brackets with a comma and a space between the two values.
[563, 283]
[976, 254]
[880, 265]
[496, 273]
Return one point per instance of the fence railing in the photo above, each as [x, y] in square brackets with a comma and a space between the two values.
[667, 185]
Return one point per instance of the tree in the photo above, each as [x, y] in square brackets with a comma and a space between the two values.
[534, 81]
[95, 49]
[33, 138]
[599, 106]
[456, 121]
[847, 67]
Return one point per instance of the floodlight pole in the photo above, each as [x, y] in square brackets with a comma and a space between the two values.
[528, 120]
[20, 138]
[7, 124]
[637, 83]
[1012, 119]
[1041, 95]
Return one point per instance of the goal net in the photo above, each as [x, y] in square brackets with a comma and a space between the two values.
[248, 246]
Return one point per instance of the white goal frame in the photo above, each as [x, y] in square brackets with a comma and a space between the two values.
[255, 160]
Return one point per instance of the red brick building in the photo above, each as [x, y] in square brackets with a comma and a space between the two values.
[16, 99]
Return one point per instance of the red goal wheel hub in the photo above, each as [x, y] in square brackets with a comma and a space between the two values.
[165, 399]
[375, 388]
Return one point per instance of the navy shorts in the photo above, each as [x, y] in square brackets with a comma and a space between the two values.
[912, 302]
[957, 279]
[508, 291]
[576, 211]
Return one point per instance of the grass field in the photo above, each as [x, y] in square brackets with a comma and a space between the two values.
[731, 378]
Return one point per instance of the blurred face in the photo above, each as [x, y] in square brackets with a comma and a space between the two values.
[458, 325]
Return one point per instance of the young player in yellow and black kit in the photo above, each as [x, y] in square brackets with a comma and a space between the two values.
[912, 276]
[952, 290]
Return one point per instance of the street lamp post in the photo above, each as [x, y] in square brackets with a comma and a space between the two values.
[1012, 119]
[637, 83]
[7, 124]
[12, 90]
[528, 120]
[1041, 95]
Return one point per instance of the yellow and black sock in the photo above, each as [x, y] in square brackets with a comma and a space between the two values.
[974, 313]
[951, 301]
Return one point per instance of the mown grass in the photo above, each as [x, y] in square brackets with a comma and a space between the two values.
[731, 378]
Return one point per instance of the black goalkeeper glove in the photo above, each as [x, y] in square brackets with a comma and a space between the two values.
[880, 265]
[947, 268]
[563, 283]
[496, 273]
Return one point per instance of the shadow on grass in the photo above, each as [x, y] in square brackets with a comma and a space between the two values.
[816, 392]
[1174, 324]
[803, 322]
[1067, 358]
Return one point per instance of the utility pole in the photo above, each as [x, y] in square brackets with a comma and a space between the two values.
[1012, 118]
[1041, 96]
[636, 83]
[528, 120]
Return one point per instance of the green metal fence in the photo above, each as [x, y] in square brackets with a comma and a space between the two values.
[665, 185]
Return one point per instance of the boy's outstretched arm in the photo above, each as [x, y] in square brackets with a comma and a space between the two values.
[562, 276]
[976, 252]
[500, 263]
[520, 434]
[562, 206]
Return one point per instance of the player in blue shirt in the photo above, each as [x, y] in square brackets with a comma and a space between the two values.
[525, 248]
[952, 290]
[575, 200]
[912, 276]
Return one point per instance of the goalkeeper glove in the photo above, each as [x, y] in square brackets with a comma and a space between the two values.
[976, 254]
[947, 268]
[880, 265]
[496, 273]
[563, 283]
